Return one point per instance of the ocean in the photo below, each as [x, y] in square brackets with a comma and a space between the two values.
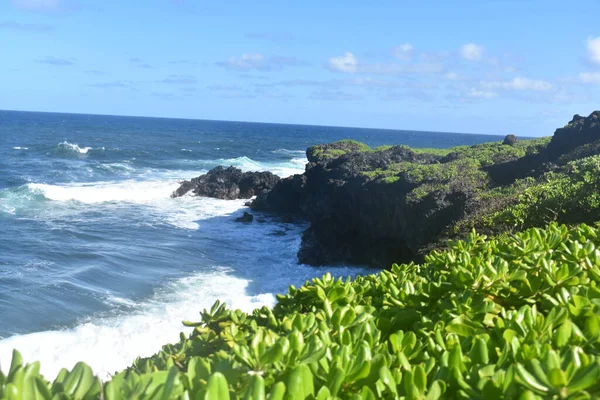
[99, 264]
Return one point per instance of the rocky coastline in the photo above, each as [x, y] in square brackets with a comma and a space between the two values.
[394, 204]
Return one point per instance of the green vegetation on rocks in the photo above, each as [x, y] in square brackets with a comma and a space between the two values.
[512, 318]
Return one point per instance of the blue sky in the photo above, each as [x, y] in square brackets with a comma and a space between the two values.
[496, 66]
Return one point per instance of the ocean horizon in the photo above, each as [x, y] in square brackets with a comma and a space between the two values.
[253, 122]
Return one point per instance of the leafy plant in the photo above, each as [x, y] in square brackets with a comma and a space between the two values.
[510, 318]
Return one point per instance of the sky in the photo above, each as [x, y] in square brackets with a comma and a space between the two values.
[478, 66]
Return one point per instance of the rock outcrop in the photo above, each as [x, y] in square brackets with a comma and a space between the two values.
[247, 217]
[510, 140]
[580, 131]
[380, 206]
[228, 183]
[355, 217]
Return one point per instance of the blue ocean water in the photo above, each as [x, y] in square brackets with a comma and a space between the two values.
[98, 263]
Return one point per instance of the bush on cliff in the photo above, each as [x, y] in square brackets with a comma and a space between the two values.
[567, 194]
[517, 317]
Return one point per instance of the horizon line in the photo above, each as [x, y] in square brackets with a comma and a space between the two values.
[259, 122]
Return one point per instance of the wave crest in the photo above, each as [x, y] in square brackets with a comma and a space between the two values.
[130, 191]
[67, 149]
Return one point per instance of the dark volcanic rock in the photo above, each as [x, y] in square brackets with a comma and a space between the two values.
[361, 203]
[247, 217]
[580, 131]
[357, 219]
[510, 140]
[578, 139]
[229, 184]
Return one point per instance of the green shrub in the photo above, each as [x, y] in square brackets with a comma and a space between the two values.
[510, 318]
[572, 194]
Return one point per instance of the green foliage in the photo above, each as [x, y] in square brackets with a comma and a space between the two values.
[568, 195]
[336, 149]
[487, 319]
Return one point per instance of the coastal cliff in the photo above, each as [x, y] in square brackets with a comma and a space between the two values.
[394, 204]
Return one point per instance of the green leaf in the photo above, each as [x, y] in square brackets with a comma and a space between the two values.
[323, 393]
[277, 391]
[300, 383]
[217, 387]
[256, 388]
[335, 379]
[387, 379]
[167, 391]
[367, 394]
[274, 354]
[479, 352]
[17, 362]
[420, 378]
[584, 378]
[529, 381]
[436, 390]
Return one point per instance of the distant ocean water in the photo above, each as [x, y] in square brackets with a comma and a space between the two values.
[98, 263]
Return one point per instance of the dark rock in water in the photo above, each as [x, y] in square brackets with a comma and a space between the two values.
[510, 140]
[285, 197]
[247, 217]
[229, 184]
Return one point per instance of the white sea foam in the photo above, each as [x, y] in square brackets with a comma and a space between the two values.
[20, 148]
[130, 191]
[286, 151]
[111, 344]
[73, 147]
[283, 169]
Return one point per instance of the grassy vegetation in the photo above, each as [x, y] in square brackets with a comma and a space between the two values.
[517, 318]
[334, 150]
[568, 195]
[463, 165]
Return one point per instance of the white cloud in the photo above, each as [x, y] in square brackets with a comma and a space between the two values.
[404, 51]
[520, 83]
[247, 61]
[590, 77]
[451, 76]
[471, 52]
[593, 46]
[481, 94]
[346, 63]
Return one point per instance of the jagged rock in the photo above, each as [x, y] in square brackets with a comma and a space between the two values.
[355, 218]
[361, 212]
[247, 217]
[580, 131]
[510, 140]
[229, 184]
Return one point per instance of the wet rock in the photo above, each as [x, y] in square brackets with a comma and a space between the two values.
[247, 217]
[228, 184]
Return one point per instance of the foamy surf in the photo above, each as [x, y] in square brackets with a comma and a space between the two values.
[112, 344]
[130, 191]
[73, 147]
[282, 169]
